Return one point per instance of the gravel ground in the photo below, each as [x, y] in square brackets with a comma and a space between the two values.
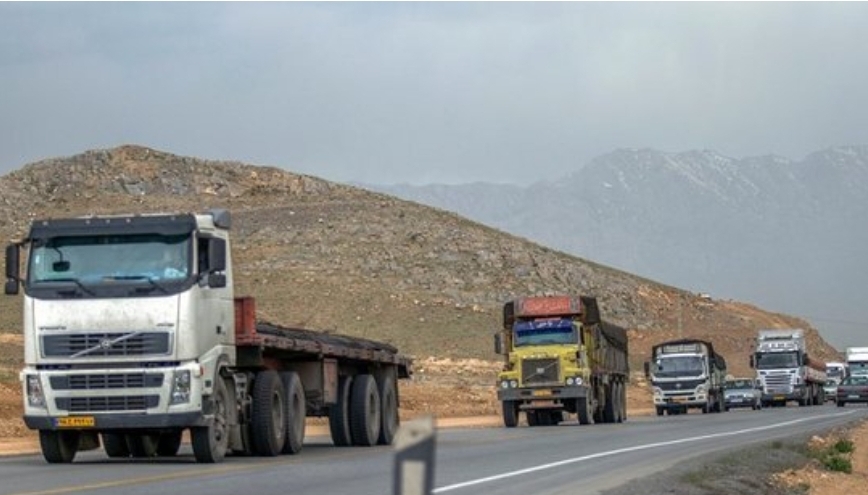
[734, 472]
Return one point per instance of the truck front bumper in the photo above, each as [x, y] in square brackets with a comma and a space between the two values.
[119, 421]
[542, 393]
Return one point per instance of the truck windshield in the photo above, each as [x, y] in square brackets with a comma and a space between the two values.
[679, 366]
[93, 260]
[544, 332]
[773, 360]
[858, 368]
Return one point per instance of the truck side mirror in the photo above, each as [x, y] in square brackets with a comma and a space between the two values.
[498, 343]
[752, 362]
[647, 367]
[13, 265]
[216, 255]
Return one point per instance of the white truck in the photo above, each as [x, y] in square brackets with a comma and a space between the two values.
[836, 371]
[785, 369]
[857, 361]
[132, 334]
[685, 374]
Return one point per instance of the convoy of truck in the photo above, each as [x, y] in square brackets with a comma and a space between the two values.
[133, 334]
[686, 374]
[560, 356]
[786, 370]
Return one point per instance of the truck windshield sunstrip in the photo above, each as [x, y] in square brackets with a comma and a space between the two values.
[545, 332]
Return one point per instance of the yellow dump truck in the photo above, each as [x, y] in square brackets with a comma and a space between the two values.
[561, 357]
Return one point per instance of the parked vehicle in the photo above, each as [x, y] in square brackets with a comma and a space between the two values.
[852, 389]
[132, 334]
[857, 360]
[686, 374]
[786, 370]
[561, 357]
[741, 392]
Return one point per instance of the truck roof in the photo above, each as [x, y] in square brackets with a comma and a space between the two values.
[717, 358]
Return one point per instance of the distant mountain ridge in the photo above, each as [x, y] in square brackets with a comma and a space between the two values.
[785, 234]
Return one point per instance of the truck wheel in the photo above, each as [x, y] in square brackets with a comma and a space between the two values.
[618, 402]
[510, 413]
[115, 445]
[58, 446]
[544, 418]
[609, 408]
[211, 442]
[339, 414]
[143, 444]
[583, 410]
[389, 415]
[660, 411]
[365, 411]
[296, 411]
[269, 411]
[532, 418]
[169, 443]
[623, 388]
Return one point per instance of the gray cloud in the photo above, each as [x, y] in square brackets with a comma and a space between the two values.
[423, 92]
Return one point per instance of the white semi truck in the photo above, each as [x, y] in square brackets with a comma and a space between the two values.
[785, 369]
[132, 334]
[857, 361]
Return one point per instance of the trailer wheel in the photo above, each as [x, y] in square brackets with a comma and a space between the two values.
[533, 418]
[609, 408]
[389, 405]
[583, 410]
[58, 446]
[143, 444]
[169, 443]
[115, 445]
[619, 402]
[660, 411]
[296, 410]
[623, 402]
[510, 413]
[269, 411]
[365, 411]
[211, 442]
[339, 414]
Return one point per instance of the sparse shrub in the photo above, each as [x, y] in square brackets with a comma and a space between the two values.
[838, 463]
[844, 446]
[777, 444]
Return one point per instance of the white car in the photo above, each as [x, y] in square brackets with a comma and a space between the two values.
[741, 392]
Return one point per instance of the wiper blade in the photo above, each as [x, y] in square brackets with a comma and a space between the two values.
[149, 278]
[74, 280]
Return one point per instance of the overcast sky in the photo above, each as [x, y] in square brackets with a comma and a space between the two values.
[431, 92]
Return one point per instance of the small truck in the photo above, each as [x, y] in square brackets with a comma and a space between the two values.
[560, 357]
[133, 334]
[686, 374]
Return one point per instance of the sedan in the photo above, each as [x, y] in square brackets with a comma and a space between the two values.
[852, 389]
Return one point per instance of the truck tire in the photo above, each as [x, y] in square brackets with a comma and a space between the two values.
[268, 414]
[211, 442]
[660, 411]
[510, 413]
[115, 445]
[620, 403]
[609, 408]
[339, 414]
[532, 418]
[169, 443]
[58, 446]
[296, 411]
[623, 402]
[365, 411]
[143, 445]
[389, 415]
[583, 410]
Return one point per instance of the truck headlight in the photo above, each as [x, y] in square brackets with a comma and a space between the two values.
[577, 380]
[513, 384]
[35, 395]
[700, 389]
[180, 387]
[657, 391]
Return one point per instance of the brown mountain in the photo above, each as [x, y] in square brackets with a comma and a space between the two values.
[329, 256]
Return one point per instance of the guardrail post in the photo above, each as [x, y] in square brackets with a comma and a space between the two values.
[414, 458]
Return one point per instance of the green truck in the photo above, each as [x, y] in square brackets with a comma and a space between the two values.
[560, 357]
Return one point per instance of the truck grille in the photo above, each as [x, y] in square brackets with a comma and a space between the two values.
[779, 383]
[540, 371]
[106, 381]
[106, 344]
[679, 386]
[111, 403]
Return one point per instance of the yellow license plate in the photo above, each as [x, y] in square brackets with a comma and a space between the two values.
[779, 397]
[76, 422]
[679, 399]
[541, 393]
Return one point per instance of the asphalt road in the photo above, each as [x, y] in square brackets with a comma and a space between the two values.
[564, 459]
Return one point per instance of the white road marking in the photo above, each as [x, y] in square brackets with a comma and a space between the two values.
[552, 465]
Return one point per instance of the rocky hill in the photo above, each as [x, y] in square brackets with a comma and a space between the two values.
[339, 258]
